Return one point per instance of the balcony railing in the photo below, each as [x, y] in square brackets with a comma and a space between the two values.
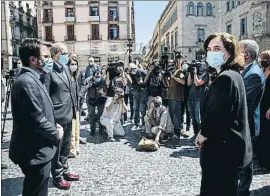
[94, 37]
[47, 3]
[48, 20]
[70, 19]
[113, 2]
[69, 3]
[49, 38]
[93, 2]
[70, 38]
[93, 18]
[112, 18]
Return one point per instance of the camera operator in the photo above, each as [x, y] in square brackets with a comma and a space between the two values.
[197, 79]
[139, 92]
[84, 74]
[153, 80]
[18, 69]
[176, 96]
[95, 87]
[115, 77]
[111, 116]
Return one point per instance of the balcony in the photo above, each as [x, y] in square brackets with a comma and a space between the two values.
[49, 38]
[112, 18]
[93, 18]
[93, 2]
[69, 3]
[70, 38]
[47, 3]
[94, 37]
[70, 19]
[48, 20]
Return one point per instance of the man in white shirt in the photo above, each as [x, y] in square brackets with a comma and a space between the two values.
[111, 116]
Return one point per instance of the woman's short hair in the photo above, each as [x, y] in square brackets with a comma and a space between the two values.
[231, 45]
[265, 55]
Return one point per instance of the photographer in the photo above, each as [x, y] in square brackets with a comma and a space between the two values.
[139, 92]
[114, 107]
[95, 87]
[176, 96]
[153, 80]
[197, 79]
[115, 77]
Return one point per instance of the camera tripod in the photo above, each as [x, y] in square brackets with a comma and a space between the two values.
[10, 81]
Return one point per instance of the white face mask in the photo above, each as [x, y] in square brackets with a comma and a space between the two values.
[19, 66]
[73, 68]
[184, 66]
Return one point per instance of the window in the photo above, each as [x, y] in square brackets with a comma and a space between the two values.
[243, 26]
[209, 9]
[48, 33]
[113, 32]
[27, 5]
[113, 13]
[12, 32]
[94, 11]
[239, 2]
[201, 35]
[172, 41]
[233, 4]
[228, 6]
[200, 9]
[95, 32]
[70, 12]
[176, 38]
[70, 32]
[190, 8]
[229, 29]
[47, 15]
[168, 40]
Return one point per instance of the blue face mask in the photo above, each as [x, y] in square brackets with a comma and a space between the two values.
[215, 59]
[63, 59]
[48, 66]
[97, 79]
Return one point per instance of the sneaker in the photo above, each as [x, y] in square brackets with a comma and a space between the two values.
[165, 138]
[185, 134]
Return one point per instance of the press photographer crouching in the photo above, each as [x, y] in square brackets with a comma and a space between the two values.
[95, 87]
[111, 116]
[197, 80]
[115, 77]
[153, 80]
[158, 122]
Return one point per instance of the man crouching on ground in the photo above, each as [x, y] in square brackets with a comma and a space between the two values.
[111, 116]
[158, 122]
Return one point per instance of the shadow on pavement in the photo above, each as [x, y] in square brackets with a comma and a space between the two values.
[264, 191]
[12, 186]
[191, 152]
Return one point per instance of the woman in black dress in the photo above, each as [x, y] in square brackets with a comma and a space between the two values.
[264, 137]
[224, 140]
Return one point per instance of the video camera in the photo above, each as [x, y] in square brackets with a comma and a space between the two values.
[10, 75]
[192, 66]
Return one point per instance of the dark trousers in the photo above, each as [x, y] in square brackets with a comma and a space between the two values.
[175, 113]
[219, 182]
[128, 98]
[184, 109]
[36, 179]
[194, 110]
[139, 107]
[93, 118]
[60, 161]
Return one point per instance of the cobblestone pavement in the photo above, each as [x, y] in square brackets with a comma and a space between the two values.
[117, 169]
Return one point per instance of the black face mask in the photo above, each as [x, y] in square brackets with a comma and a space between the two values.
[265, 64]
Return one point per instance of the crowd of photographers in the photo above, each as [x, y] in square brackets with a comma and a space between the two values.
[219, 99]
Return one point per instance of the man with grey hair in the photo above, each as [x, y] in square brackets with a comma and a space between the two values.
[254, 81]
[58, 86]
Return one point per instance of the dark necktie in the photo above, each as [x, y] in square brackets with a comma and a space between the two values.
[42, 78]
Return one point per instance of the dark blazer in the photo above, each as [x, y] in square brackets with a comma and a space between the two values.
[2, 90]
[59, 90]
[254, 80]
[225, 123]
[34, 132]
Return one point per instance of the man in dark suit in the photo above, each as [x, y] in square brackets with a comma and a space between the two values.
[254, 81]
[35, 134]
[59, 88]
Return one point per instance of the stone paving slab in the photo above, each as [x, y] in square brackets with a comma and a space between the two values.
[117, 169]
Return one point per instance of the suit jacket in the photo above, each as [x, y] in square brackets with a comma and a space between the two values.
[224, 121]
[254, 80]
[34, 132]
[58, 85]
[2, 89]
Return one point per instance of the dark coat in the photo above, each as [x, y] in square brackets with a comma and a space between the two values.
[34, 131]
[59, 88]
[225, 123]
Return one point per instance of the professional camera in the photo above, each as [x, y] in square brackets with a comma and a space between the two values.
[178, 54]
[10, 75]
[192, 66]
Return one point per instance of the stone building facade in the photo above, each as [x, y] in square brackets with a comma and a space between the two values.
[90, 28]
[18, 21]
